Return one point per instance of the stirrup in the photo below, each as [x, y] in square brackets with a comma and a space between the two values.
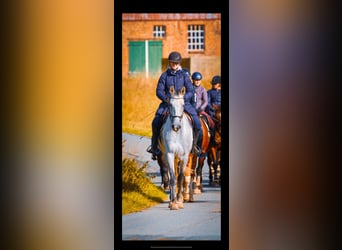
[196, 150]
[155, 154]
[149, 149]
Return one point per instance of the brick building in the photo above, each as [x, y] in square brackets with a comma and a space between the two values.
[147, 40]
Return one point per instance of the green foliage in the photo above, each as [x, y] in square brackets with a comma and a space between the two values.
[133, 176]
[138, 190]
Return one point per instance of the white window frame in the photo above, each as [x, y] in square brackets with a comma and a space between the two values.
[196, 37]
[159, 31]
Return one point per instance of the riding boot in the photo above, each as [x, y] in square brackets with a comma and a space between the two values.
[153, 149]
[195, 148]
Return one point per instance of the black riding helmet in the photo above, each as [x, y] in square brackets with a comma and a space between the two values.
[216, 79]
[196, 76]
[175, 57]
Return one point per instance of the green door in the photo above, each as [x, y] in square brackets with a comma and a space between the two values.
[155, 57]
[139, 63]
[136, 57]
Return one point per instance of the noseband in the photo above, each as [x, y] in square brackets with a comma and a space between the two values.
[175, 116]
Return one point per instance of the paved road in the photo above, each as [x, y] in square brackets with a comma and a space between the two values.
[200, 220]
[135, 146]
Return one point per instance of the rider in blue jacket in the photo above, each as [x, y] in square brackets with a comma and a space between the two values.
[177, 77]
[214, 95]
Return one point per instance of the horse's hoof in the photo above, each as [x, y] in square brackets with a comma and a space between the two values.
[180, 205]
[173, 206]
[215, 184]
[186, 197]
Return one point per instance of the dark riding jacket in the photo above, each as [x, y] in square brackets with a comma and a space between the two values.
[178, 79]
[214, 96]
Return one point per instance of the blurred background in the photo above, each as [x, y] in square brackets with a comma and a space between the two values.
[60, 98]
[277, 124]
[62, 124]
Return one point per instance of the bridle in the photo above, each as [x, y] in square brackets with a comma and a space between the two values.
[175, 116]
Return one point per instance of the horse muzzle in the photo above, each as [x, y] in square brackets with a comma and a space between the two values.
[176, 127]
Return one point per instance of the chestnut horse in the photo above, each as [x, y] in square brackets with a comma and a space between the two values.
[198, 160]
[214, 153]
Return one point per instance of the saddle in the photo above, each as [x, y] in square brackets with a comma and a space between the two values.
[207, 118]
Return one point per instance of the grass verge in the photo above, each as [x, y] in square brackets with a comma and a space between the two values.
[138, 190]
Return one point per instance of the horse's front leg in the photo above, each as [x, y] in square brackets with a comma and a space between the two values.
[199, 168]
[188, 178]
[165, 177]
[164, 172]
[180, 182]
[192, 182]
[218, 166]
[211, 163]
[173, 181]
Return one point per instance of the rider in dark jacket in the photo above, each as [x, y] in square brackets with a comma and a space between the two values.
[177, 77]
[214, 95]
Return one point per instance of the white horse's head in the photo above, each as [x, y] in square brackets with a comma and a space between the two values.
[176, 108]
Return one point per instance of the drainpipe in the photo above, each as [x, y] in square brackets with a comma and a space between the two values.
[146, 57]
